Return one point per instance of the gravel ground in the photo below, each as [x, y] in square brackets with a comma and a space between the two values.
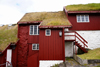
[73, 63]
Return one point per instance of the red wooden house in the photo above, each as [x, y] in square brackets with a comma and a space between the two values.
[41, 39]
[85, 21]
[48, 36]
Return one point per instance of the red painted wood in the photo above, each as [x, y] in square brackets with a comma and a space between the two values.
[31, 52]
[63, 45]
[33, 38]
[3, 59]
[3, 56]
[84, 11]
[23, 49]
[33, 60]
[31, 22]
[22, 46]
[92, 25]
[18, 32]
[25, 52]
[51, 47]
[14, 57]
[0, 58]
[41, 50]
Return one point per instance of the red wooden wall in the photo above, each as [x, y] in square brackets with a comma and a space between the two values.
[23, 55]
[33, 57]
[33, 39]
[14, 56]
[26, 56]
[22, 46]
[50, 47]
[4, 54]
[94, 23]
[3, 59]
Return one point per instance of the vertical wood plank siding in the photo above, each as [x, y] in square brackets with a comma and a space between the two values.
[26, 56]
[50, 47]
[94, 23]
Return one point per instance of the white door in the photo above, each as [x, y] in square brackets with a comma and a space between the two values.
[9, 56]
[68, 49]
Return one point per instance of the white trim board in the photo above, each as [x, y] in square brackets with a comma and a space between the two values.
[49, 63]
[9, 56]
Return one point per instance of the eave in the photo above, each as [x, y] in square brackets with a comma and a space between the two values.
[58, 26]
[29, 22]
[8, 47]
[72, 12]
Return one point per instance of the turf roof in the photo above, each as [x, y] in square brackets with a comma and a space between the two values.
[47, 18]
[83, 7]
[7, 35]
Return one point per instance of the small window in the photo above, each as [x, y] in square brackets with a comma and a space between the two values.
[35, 46]
[34, 30]
[82, 18]
[47, 32]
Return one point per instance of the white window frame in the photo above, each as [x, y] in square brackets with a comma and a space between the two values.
[46, 32]
[35, 47]
[81, 18]
[33, 30]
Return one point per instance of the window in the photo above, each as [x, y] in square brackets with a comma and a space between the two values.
[34, 30]
[82, 18]
[35, 46]
[47, 32]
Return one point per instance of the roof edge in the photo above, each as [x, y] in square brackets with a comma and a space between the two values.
[58, 26]
[84, 11]
[95, 11]
[8, 47]
[30, 22]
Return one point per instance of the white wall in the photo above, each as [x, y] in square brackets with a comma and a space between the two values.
[9, 57]
[92, 37]
[49, 63]
[68, 49]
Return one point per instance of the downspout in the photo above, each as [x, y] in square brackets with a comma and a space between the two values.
[18, 32]
[63, 40]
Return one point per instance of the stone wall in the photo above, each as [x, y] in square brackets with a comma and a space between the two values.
[92, 37]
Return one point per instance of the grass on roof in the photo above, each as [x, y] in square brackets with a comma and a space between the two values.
[55, 22]
[7, 35]
[40, 16]
[47, 18]
[92, 54]
[83, 7]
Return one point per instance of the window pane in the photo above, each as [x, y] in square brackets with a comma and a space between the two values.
[34, 46]
[82, 17]
[31, 30]
[38, 30]
[48, 32]
[37, 46]
[87, 18]
[35, 29]
[78, 18]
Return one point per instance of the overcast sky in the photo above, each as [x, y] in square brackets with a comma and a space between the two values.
[11, 11]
